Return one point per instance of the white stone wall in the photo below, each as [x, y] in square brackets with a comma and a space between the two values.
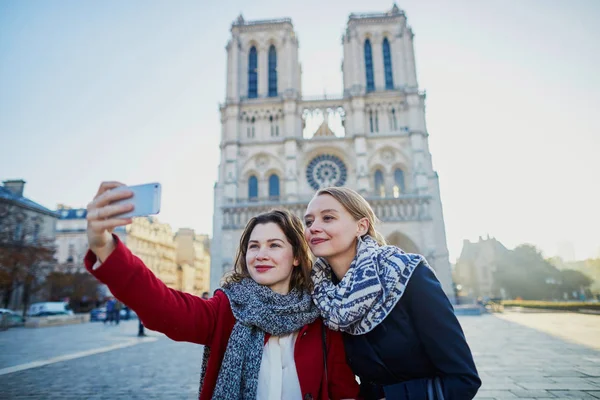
[400, 139]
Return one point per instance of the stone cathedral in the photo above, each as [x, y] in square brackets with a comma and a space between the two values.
[278, 147]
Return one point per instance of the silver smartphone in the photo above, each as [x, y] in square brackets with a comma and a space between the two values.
[145, 200]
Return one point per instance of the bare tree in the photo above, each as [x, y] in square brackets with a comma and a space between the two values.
[26, 257]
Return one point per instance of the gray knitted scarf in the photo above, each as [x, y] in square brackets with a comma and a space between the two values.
[257, 310]
[368, 292]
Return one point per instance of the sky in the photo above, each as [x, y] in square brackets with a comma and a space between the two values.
[129, 91]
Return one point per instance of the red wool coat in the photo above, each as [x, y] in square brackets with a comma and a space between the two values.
[185, 317]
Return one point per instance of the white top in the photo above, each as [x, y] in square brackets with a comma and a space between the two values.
[278, 378]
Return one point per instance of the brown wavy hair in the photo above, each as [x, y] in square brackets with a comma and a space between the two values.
[357, 206]
[293, 229]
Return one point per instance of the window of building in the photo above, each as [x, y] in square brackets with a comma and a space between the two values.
[379, 184]
[273, 187]
[272, 72]
[369, 66]
[252, 73]
[398, 182]
[371, 121]
[393, 121]
[253, 188]
[387, 65]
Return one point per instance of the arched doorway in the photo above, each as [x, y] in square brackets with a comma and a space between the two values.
[402, 241]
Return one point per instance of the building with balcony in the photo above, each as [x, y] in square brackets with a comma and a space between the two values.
[278, 147]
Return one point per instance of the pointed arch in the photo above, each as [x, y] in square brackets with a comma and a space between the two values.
[369, 66]
[253, 188]
[273, 186]
[379, 183]
[253, 73]
[272, 71]
[387, 64]
[399, 186]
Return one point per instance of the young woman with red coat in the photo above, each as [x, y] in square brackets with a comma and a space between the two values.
[262, 333]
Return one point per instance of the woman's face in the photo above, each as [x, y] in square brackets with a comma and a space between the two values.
[330, 230]
[270, 257]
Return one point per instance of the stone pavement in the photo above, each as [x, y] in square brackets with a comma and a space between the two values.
[93, 361]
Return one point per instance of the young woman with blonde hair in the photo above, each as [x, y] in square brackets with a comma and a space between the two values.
[401, 336]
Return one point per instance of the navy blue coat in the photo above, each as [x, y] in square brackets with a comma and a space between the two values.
[419, 340]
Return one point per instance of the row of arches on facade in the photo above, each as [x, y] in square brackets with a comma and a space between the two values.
[397, 188]
[381, 189]
[272, 69]
[253, 72]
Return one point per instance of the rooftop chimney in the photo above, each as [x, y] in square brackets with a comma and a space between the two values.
[16, 186]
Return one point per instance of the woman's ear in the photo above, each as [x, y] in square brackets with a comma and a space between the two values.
[363, 226]
[296, 262]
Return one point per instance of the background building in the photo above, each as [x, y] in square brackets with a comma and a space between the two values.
[476, 266]
[193, 261]
[278, 147]
[71, 236]
[152, 241]
[27, 234]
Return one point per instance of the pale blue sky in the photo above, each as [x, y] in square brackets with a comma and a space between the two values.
[92, 91]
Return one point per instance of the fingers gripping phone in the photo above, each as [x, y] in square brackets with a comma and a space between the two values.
[145, 200]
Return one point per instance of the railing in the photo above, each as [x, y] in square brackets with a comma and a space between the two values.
[236, 213]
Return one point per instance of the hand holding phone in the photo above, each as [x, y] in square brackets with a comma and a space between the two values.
[145, 199]
[113, 206]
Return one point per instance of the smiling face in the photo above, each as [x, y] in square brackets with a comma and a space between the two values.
[270, 257]
[330, 230]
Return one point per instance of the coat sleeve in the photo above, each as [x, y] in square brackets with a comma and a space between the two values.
[342, 382]
[442, 337]
[180, 316]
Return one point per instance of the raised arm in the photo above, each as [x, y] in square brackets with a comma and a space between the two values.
[181, 316]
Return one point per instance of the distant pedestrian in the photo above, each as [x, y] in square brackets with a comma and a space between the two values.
[110, 308]
[205, 296]
[141, 328]
[117, 312]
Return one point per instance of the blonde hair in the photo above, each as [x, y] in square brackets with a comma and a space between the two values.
[357, 206]
[293, 229]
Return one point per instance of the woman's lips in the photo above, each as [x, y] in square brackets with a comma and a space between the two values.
[317, 241]
[263, 268]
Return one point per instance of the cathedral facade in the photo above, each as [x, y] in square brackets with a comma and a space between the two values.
[278, 147]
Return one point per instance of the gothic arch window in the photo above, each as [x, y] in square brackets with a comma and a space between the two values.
[369, 66]
[252, 73]
[398, 182]
[379, 184]
[273, 187]
[253, 188]
[376, 121]
[250, 132]
[393, 120]
[387, 65]
[272, 71]
[371, 121]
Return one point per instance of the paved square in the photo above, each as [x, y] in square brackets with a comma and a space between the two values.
[95, 361]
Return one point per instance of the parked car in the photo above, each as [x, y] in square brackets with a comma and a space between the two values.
[49, 308]
[11, 318]
[98, 314]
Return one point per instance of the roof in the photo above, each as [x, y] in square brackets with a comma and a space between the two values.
[24, 202]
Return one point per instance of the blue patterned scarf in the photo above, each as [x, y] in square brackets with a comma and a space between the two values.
[371, 288]
[257, 310]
